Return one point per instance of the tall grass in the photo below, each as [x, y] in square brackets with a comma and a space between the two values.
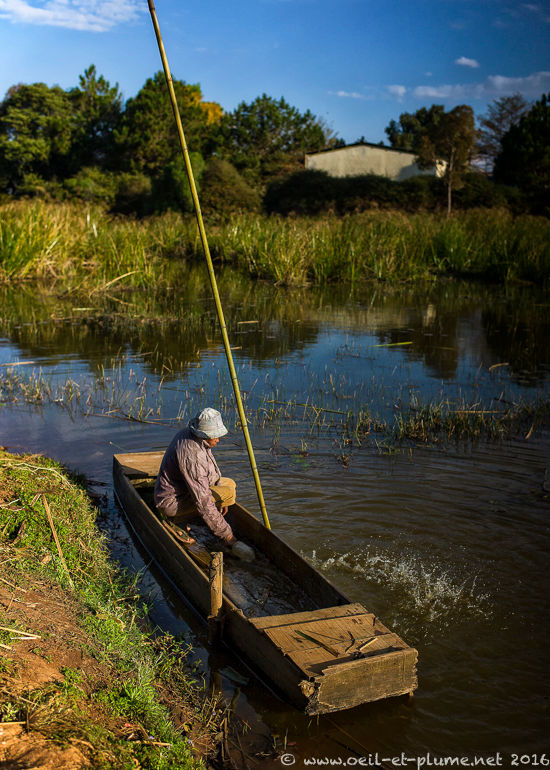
[76, 245]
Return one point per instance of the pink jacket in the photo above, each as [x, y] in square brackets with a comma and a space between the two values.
[187, 472]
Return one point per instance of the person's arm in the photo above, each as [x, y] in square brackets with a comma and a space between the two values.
[196, 478]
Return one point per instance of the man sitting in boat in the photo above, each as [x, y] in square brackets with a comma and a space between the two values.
[189, 482]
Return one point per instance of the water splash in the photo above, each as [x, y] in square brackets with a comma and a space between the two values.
[421, 595]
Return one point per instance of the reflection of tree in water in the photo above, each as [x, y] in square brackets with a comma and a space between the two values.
[479, 322]
[433, 337]
[172, 329]
[517, 331]
[434, 322]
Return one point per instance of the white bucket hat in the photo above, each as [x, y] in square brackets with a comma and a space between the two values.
[208, 424]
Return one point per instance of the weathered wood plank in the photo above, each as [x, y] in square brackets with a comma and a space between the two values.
[140, 464]
[259, 651]
[339, 611]
[336, 632]
[363, 681]
[317, 660]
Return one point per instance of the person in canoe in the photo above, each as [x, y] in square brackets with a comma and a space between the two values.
[189, 482]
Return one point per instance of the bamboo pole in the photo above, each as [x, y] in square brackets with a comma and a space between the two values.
[206, 249]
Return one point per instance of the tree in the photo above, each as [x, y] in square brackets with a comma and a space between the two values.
[97, 108]
[147, 139]
[450, 138]
[268, 137]
[501, 115]
[225, 192]
[407, 133]
[171, 189]
[36, 130]
[524, 159]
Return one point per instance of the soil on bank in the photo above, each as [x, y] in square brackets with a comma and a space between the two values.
[83, 681]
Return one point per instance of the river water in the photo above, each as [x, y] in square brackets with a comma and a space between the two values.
[447, 542]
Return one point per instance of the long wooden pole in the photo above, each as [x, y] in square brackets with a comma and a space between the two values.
[208, 258]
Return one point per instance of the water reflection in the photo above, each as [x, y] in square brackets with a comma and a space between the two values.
[446, 323]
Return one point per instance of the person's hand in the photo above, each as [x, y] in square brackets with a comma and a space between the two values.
[243, 551]
[224, 510]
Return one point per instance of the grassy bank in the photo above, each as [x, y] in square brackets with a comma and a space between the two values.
[83, 682]
[79, 247]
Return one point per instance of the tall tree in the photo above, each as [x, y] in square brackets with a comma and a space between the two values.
[450, 138]
[501, 115]
[98, 108]
[407, 133]
[36, 130]
[524, 159]
[269, 136]
[147, 139]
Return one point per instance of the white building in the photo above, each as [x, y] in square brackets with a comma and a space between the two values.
[363, 158]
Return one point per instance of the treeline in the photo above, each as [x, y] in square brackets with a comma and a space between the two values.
[511, 143]
[86, 143]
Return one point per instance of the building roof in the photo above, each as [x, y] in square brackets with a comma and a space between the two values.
[363, 144]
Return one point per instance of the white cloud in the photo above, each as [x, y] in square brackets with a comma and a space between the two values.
[89, 15]
[494, 86]
[512, 15]
[463, 61]
[539, 10]
[348, 94]
[436, 92]
[397, 91]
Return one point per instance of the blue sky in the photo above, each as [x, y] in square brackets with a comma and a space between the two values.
[355, 63]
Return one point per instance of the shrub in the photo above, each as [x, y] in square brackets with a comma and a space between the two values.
[171, 189]
[33, 186]
[315, 192]
[479, 192]
[424, 193]
[93, 185]
[304, 192]
[133, 194]
[225, 191]
[360, 193]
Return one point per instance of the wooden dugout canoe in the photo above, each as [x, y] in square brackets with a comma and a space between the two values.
[329, 654]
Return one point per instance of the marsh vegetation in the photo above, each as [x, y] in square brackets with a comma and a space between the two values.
[83, 249]
[147, 349]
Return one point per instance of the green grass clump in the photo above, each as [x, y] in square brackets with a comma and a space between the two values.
[136, 666]
[432, 422]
